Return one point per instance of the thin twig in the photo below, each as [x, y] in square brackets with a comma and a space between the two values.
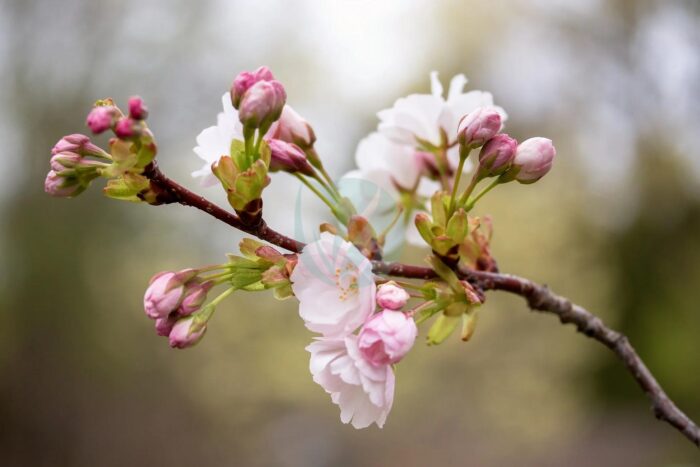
[538, 297]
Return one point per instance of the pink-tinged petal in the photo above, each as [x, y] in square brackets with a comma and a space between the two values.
[335, 286]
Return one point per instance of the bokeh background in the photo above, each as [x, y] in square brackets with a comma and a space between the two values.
[84, 380]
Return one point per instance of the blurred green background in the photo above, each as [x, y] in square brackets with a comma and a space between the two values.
[84, 380]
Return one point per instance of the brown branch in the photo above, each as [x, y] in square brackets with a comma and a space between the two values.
[538, 297]
[173, 192]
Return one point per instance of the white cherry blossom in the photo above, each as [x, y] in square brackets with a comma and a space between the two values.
[335, 286]
[364, 392]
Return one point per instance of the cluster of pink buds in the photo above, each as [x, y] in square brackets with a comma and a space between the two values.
[501, 155]
[72, 168]
[109, 117]
[259, 98]
[170, 300]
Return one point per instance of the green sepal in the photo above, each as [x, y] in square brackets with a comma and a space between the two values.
[127, 187]
[469, 324]
[442, 328]
[238, 155]
[439, 203]
[458, 227]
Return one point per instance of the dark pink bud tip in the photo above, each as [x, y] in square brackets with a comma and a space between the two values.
[101, 119]
[137, 109]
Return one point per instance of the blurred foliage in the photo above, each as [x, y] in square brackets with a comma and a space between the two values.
[84, 379]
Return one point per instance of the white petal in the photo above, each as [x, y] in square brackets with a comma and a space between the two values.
[435, 84]
[456, 86]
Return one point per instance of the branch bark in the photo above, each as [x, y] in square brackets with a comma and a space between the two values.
[538, 297]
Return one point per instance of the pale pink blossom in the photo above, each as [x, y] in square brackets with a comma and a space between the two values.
[364, 392]
[392, 297]
[387, 337]
[335, 287]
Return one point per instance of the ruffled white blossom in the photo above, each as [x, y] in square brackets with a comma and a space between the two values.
[364, 392]
[390, 157]
[215, 141]
[335, 286]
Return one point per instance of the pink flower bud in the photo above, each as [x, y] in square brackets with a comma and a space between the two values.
[387, 337]
[102, 118]
[184, 335]
[288, 157]
[165, 292]
[165, 325]
[137, 109]
[391, 296]
[245, 80]
[292, 128]
[533, 159]
[65, 160]
[127, 128]
[62, 186]
[195, 295]
[478, 126]
[262, 104]
[78, 144]
[497, 155]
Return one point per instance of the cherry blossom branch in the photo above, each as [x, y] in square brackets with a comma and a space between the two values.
[538, 297]
[173, 192]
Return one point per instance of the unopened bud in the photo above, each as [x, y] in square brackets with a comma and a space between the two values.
[392, 297]
[165, 325]
[262, 104]
[185, 334]
[137, 109]
[102, 118]
[62, 186]
[288, 157]
[194, 297]
[245, 80]
[533, 159]
[424, 224]
[79, 144]
[126, 128]
[387, 337]
[478, 126]
[497, 155]
[165, 292]
[292, 128]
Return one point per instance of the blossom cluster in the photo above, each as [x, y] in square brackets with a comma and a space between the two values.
[337, 295]
[364, 322]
